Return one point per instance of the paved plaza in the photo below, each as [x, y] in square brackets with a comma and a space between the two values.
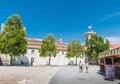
[71, 75]
[26, 75]
[51, 75]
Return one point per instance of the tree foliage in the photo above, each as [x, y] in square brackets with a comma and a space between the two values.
[96, 44]
[74, 49]
[48, 48]
[12, 37]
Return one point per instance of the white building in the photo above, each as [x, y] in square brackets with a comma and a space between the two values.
[60, 59]
[32, 56]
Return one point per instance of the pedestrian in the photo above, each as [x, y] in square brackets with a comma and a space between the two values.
[80, 66]
[86, 66]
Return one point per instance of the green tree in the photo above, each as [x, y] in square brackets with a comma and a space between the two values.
[12, 37]
[96, 44]
[74, 49]
[48, 48]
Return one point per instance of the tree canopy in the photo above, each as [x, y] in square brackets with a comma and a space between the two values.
[74, 49]
[96, 44]
[13, 37]
[48, 48]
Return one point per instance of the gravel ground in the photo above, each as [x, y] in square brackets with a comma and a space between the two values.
[26, 75]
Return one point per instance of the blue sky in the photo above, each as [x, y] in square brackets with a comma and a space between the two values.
[69, 17]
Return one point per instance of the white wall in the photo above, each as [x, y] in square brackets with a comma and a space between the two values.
[60, 58]
[5, 59]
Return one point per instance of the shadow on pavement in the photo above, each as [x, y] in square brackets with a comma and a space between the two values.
[102, 73]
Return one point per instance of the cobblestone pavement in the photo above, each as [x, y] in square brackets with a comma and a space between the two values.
[26, 75]
[71, 75]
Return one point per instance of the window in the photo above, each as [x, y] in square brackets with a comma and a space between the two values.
[32, 51]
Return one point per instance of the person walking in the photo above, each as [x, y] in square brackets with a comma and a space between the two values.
[80, 66]
[86, 66]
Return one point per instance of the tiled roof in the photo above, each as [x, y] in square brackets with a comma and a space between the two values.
[35, 44]
[33, 47]
[85, 48]
[35, 40]
[114, 45]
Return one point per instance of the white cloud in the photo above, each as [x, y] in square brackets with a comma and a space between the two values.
[109, 16]
[114, 40]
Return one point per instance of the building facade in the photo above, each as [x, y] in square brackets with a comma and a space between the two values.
[32, 56]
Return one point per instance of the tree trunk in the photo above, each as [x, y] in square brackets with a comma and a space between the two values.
[76, 61]
[0, 61]
[11, 60]
[14, 61]
[49, 60]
